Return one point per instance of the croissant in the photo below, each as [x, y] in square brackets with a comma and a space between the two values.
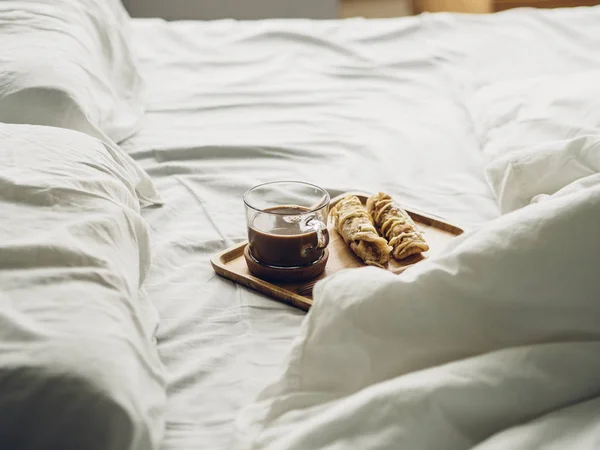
[355, 225]
[396, 226]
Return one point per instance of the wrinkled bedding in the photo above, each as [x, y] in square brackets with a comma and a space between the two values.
[464, 128]
[344, 105]
[539, 134]
[497, 335]
[78, 362]
[493, 344]
[349, 105]
[68, 63]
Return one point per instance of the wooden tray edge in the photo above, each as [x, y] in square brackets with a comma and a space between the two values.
[219, 263]
[250, 281]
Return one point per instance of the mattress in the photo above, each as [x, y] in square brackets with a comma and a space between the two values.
[348, 105]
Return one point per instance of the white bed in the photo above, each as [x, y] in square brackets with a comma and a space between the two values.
[113, 322]
[371, 105]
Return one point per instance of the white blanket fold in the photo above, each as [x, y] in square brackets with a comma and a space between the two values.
[538, 134]
[499, 330]
[78, 366]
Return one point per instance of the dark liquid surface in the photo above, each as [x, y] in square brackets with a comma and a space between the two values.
[278, 239]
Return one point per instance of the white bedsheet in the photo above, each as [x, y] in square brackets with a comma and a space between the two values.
[355, 104]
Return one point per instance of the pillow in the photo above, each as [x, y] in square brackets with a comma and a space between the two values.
[67, 63]
[538, 127]
[78, 364]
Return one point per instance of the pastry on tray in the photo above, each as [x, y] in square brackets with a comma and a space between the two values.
[355, 225]
[396, 226]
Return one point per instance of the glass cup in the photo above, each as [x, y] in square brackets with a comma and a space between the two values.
[287, 223]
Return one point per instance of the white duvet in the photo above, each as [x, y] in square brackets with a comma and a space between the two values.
[495, 344]
[539, 134]
[78, 366]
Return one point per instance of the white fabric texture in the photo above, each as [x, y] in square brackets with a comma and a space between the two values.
[348, 105]
[67, 63]
[524, 175]
[345, 105]
[539, 134]
[78, 366]
[499, 330]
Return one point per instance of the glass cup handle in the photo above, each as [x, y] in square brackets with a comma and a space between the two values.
[321, 229]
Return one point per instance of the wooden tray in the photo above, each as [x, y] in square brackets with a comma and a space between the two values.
[231, 264]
